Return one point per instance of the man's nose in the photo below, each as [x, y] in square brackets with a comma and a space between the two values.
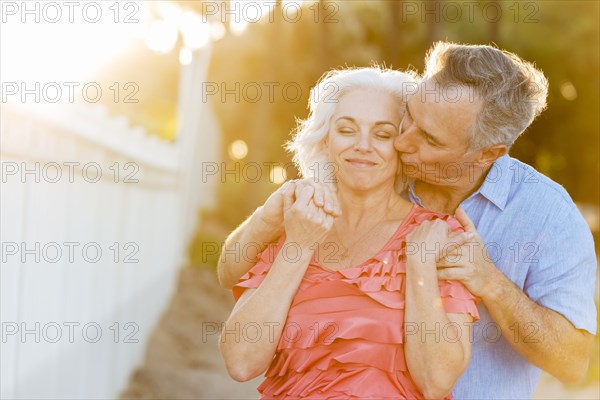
[405, 142]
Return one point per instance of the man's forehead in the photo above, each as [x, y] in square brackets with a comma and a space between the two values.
[444, 111]
[431, 91]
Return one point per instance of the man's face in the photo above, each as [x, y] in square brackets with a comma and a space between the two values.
[434, 135]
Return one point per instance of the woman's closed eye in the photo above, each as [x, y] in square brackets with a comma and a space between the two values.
[345, 130]
[381, 134]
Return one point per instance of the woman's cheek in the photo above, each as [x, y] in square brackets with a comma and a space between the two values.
[388, 151]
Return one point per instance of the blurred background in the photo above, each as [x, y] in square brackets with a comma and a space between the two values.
[147, 130]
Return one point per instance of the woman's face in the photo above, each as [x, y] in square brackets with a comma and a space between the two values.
[361, 137]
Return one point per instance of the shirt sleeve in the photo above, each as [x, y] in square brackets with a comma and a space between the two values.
[254, 277]
[562, 273]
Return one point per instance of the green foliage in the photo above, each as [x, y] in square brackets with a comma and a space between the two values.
[561, 39]
[203, 250]
[150, 100]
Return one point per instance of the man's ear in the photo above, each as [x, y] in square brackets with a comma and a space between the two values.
[488, 155]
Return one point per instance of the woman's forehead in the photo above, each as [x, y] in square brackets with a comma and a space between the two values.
[368, 104]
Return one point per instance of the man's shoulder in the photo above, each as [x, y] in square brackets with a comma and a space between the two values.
[544, 200]
[528, 181]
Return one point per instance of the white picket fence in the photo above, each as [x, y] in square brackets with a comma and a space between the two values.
[74, 326]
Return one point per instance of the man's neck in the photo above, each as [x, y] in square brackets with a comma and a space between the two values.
[446, 198]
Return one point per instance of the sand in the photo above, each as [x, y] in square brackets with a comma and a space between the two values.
[180, 363]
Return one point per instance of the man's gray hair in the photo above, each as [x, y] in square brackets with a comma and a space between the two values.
[512, 91]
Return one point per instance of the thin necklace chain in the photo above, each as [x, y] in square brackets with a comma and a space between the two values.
[345, 254]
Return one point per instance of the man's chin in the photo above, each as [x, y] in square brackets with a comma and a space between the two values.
[409, 169]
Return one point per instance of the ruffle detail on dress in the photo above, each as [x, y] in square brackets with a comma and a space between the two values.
[384, 356]
[344, 334]
[254, 277]
[303, 331]
[341, 381]
[383, 283]
[457, 299]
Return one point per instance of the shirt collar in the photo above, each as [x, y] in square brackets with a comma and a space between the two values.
[411, 195]
[495, 187]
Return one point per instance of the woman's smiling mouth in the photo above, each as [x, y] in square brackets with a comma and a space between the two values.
[360, 162]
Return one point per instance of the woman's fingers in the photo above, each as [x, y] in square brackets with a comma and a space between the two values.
[450, 260]
[288, 195]
[324, 196]
[332, 205]
[457, 239]
[437, 234]
[304, 195]
[306, 223]
[329, 221]
[319, 196]
[317, 213]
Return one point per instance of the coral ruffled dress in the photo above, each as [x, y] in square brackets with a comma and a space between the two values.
[343, 337]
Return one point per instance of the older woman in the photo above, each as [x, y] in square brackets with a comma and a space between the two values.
[351, 307]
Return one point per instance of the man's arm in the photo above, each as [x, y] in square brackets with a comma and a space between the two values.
[539, 334]
[242, 247]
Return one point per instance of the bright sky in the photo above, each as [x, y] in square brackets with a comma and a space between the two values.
[56, 41]
[73, 47]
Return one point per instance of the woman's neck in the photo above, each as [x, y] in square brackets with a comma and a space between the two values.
[361, 208]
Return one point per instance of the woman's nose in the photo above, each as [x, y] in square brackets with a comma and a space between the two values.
[363, 142]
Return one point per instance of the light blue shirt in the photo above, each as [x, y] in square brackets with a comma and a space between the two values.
[538, 238]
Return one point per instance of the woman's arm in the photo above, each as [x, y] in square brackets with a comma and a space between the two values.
[438, 344]
[267, 307]
[263, 310]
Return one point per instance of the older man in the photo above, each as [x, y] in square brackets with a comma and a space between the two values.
[532, 259]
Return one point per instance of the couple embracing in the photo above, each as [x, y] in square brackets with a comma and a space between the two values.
[432, 264]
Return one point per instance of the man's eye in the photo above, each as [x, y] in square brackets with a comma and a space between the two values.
[383, 135]
[345, 130]
[430, 141]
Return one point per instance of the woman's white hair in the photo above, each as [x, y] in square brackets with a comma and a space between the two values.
[308, 143]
